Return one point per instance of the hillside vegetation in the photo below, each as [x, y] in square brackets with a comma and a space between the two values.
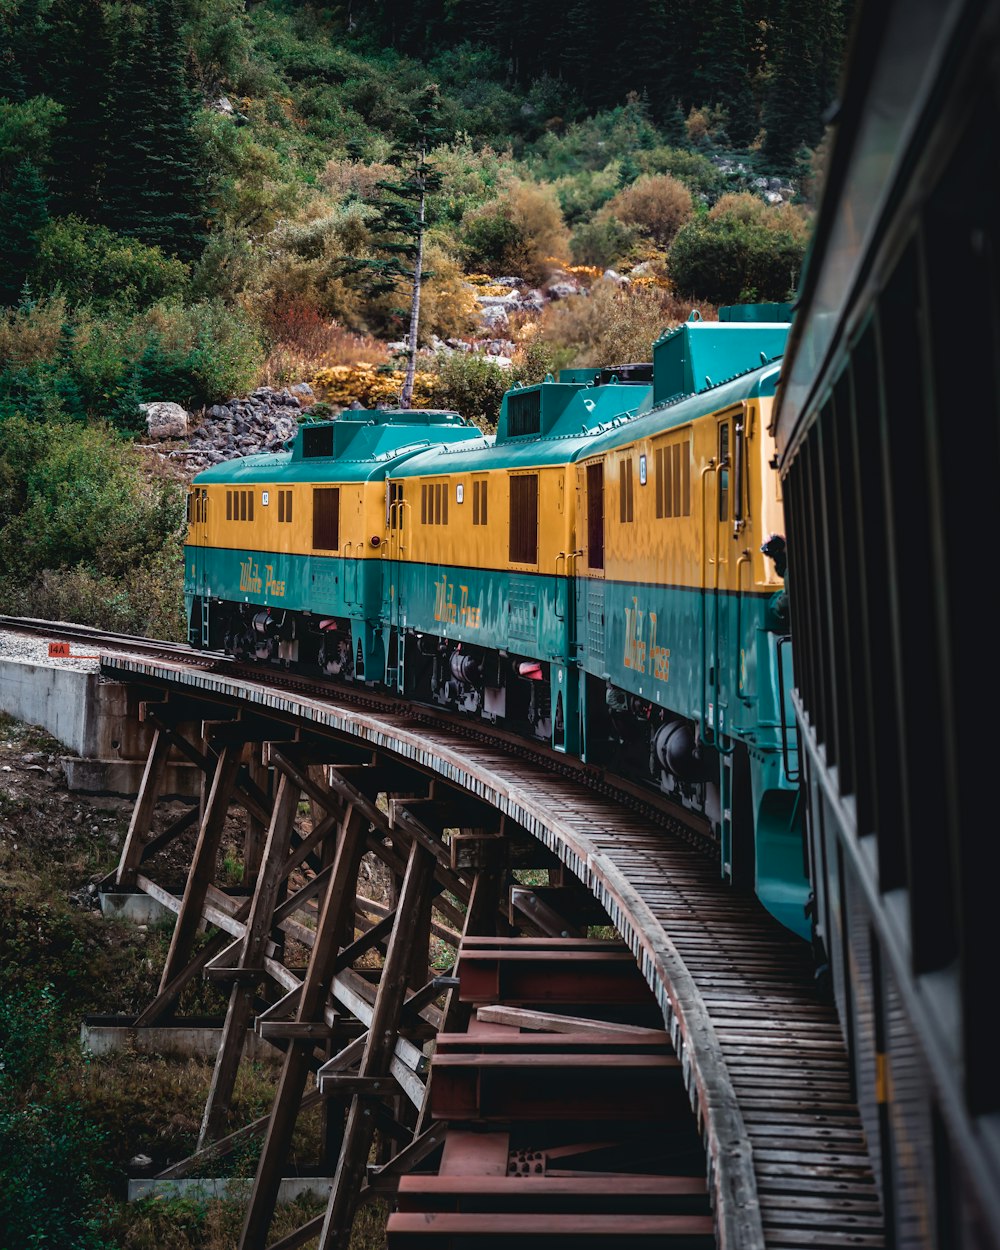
[192, 203]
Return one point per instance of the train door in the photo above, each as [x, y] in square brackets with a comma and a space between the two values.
[198, 621]
[589, 582]
[396, 523]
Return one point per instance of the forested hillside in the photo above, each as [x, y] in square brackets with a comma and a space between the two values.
[194, 201]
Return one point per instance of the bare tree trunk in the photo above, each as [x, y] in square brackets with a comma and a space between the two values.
[406, 396]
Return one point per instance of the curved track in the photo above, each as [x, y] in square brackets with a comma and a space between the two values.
[763, 1058]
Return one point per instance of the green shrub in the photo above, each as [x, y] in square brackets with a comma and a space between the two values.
[697, 172]
[602, 243]
[520, 233]
[656, 204]
[51, 1174]
[91, 264]
[473, 385]
[728, 260]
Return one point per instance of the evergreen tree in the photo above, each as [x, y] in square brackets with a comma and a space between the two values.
[79, 69]
[721, 66]
[402, 223]
[23, 213]
[805, 51]
[152, 186]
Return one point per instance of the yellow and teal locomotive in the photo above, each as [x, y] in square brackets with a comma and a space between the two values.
[604, 575]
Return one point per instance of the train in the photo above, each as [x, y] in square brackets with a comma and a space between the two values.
[888, 451]
[605, 576]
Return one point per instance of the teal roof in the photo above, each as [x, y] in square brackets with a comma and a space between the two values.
[358, 448]
[699, 355]
[577, 413]
[755, 384]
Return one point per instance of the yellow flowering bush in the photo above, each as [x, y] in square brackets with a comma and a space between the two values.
[365, 384]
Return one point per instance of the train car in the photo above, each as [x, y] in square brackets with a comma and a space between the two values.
[479, 592]
[681, 616]
[887, 429]
[283, 560]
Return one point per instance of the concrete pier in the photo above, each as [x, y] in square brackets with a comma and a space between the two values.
[96, 719]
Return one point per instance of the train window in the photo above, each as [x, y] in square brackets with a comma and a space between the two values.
[243, 505]
[626, 492]
[229, 505]
[284, 505]
[317, 440]
[595, 516]
[479, 514]
[396, 505]
[281, 505]
[523, 547]
[524, 413]
[724, 471]
[326, 518]
[249, 505]
[673, 479]
[433, 503]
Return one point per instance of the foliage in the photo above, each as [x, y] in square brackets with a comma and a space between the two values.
[656, 203]
[473, 385]
[740, 253]
[96, 540]
[604, 242]
[49, 1184]
[369, 387]
[93, 265]
[24, 212]
[519, 233]
[613, 324]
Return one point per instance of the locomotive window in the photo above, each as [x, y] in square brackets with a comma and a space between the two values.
[229, 505]
[395, 505]
[284, 505]
[326, 518]
[524, 518]
[249, 505]
[673, 479]
[626, 488]
[595, 516]
[281, 505]
[479, 503]
[724, 471]
[243, 505]
[433, 504]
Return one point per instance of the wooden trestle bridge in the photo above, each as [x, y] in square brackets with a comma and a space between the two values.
[680, 1083]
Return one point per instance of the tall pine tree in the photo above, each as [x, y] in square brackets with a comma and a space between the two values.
[721, 74]
[805, 49]
[152, 187]
[23, 213]
[79, 60]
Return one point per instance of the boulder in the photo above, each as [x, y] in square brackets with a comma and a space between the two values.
[303, 391]
[165, 420]
[494, 317]
[509, 281]
[612, 275]
[563, 290]
[773, 197]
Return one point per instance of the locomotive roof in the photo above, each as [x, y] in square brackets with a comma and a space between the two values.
[577, 412]
[754, 384]
[356, 448]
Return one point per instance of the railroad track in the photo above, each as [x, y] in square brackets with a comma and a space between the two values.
[762, 1057]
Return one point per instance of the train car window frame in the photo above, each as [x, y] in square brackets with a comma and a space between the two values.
[394, 505]
[723, 471]
[672, 470]
[480, 501]
[595, 514]
[522, 547]
[626, 491]
[229, 505]
[326, 518]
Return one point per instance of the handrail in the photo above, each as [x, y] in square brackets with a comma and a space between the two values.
[710, 467]
[744, 558]
[783, 641]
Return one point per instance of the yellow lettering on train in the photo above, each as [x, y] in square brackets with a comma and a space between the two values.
[639, 647]
[444, 601]
[468, 612]
[271, 586]
[251, 581]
